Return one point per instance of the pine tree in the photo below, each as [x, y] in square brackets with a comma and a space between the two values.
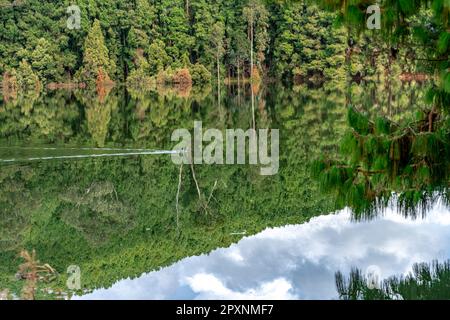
[256, 16]
[96, 55]
[381, 158]
[157, 57]
[43, 61]
[26, 78]
[427, 281]
[217, 35]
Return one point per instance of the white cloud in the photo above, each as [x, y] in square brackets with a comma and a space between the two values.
[208, 286]
[296, 262]
[235, 255]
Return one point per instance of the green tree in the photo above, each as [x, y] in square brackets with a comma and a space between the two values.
[26, 78]
[95, 55]
[157, 57]
[203, 21]
[427, 281]
[174, 28]
[380, 156]
[217, 35]
[256, 16]
[307, 45]
[140, 78]
[44, 62]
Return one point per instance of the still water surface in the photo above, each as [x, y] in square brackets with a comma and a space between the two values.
[79, 183]
[296, 262]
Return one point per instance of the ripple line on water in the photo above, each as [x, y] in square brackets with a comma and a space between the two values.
[104, 155]
[73, 148]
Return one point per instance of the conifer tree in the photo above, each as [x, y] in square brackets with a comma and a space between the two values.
[380, 157]
[96, 55]
[26, 78]
[427, 281]
[256, 16]
[43, 61]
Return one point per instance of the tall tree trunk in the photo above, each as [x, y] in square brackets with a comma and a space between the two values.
[251, 46]
[238, 82]
[218, 75]
[251, 70]
[253, 107]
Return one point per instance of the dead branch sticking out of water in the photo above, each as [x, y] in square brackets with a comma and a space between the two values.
[178, 195]
[200, 196]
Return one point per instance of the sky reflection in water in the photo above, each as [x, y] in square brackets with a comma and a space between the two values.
[296, 262]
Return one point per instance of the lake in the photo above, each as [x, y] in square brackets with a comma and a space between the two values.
[87, 180]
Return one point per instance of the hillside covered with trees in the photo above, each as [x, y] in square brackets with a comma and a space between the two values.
[185, 41]
[134, 40]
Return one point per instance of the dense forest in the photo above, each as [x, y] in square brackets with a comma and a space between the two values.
[127, 223]
[106, 212]
[191, 41]
[386, 161]
[134, 41]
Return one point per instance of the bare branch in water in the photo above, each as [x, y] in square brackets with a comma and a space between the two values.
[178, 194]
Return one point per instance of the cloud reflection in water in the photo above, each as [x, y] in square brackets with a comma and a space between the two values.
[296, 262]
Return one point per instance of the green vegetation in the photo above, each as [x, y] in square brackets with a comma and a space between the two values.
[117, 217]
[427, 281]
[307, 47]
[382, 157]
[123, 41]
[379, 156]
[116, 33]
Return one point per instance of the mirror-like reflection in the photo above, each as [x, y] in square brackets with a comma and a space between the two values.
[426, 281]
[119, 217]
[383, 155]
[298, 261]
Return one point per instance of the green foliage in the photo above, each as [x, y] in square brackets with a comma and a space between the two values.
[96, 212]
[200, 75]
[168, 31]
[404, 23]
[139, 78]
[95, 55]
[358, 121]
[44, 61]
[306, 45]
[26, 78]
[427, 281]
[116, 217]
[385, 158]
[157, 57]
[410, 158]
[382, 126]
[443, 42]
[257, 17]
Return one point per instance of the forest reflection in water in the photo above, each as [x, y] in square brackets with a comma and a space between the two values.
[300, 261]
[116, 217]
